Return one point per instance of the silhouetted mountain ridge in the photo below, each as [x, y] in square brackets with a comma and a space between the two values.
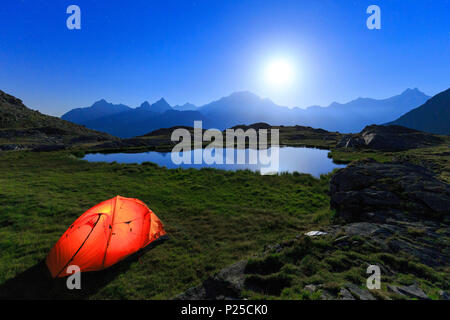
[353, 116]
[99, 109]
[246, 108]
[433, 116]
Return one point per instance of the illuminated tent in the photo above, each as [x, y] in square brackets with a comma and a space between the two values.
[104, 235]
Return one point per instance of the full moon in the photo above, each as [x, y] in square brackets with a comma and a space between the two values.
[279, 73]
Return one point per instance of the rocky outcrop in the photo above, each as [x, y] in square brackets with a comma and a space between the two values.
[389, 138]
[427, 241]
[373, 191]
[400, 206]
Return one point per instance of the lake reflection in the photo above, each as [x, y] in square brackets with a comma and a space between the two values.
[304, 160]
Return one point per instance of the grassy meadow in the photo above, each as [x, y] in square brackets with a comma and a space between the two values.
[213, 217]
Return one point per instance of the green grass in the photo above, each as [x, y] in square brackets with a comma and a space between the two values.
[213, 217]
[318, 261]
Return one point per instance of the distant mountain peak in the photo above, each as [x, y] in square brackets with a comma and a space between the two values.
[333, 104]
[144, 105]
[412, 90]
[100, 102]
[162, 100]
[244, 94]
[160, 106]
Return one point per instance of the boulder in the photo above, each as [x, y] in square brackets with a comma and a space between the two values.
[443, 295]
[315, 233]
[373, 191]
[344, 294]
[412, 291]
[359, 293]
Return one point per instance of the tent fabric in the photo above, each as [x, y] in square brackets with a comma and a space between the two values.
[104, 235]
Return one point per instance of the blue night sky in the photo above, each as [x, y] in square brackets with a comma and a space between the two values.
[199, 51]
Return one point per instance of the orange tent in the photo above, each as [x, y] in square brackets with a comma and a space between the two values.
[104, 235]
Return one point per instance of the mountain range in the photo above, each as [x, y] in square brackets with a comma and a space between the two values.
[243, 108]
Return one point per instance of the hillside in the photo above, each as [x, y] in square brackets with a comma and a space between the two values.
[433, 116]
[23, 128]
